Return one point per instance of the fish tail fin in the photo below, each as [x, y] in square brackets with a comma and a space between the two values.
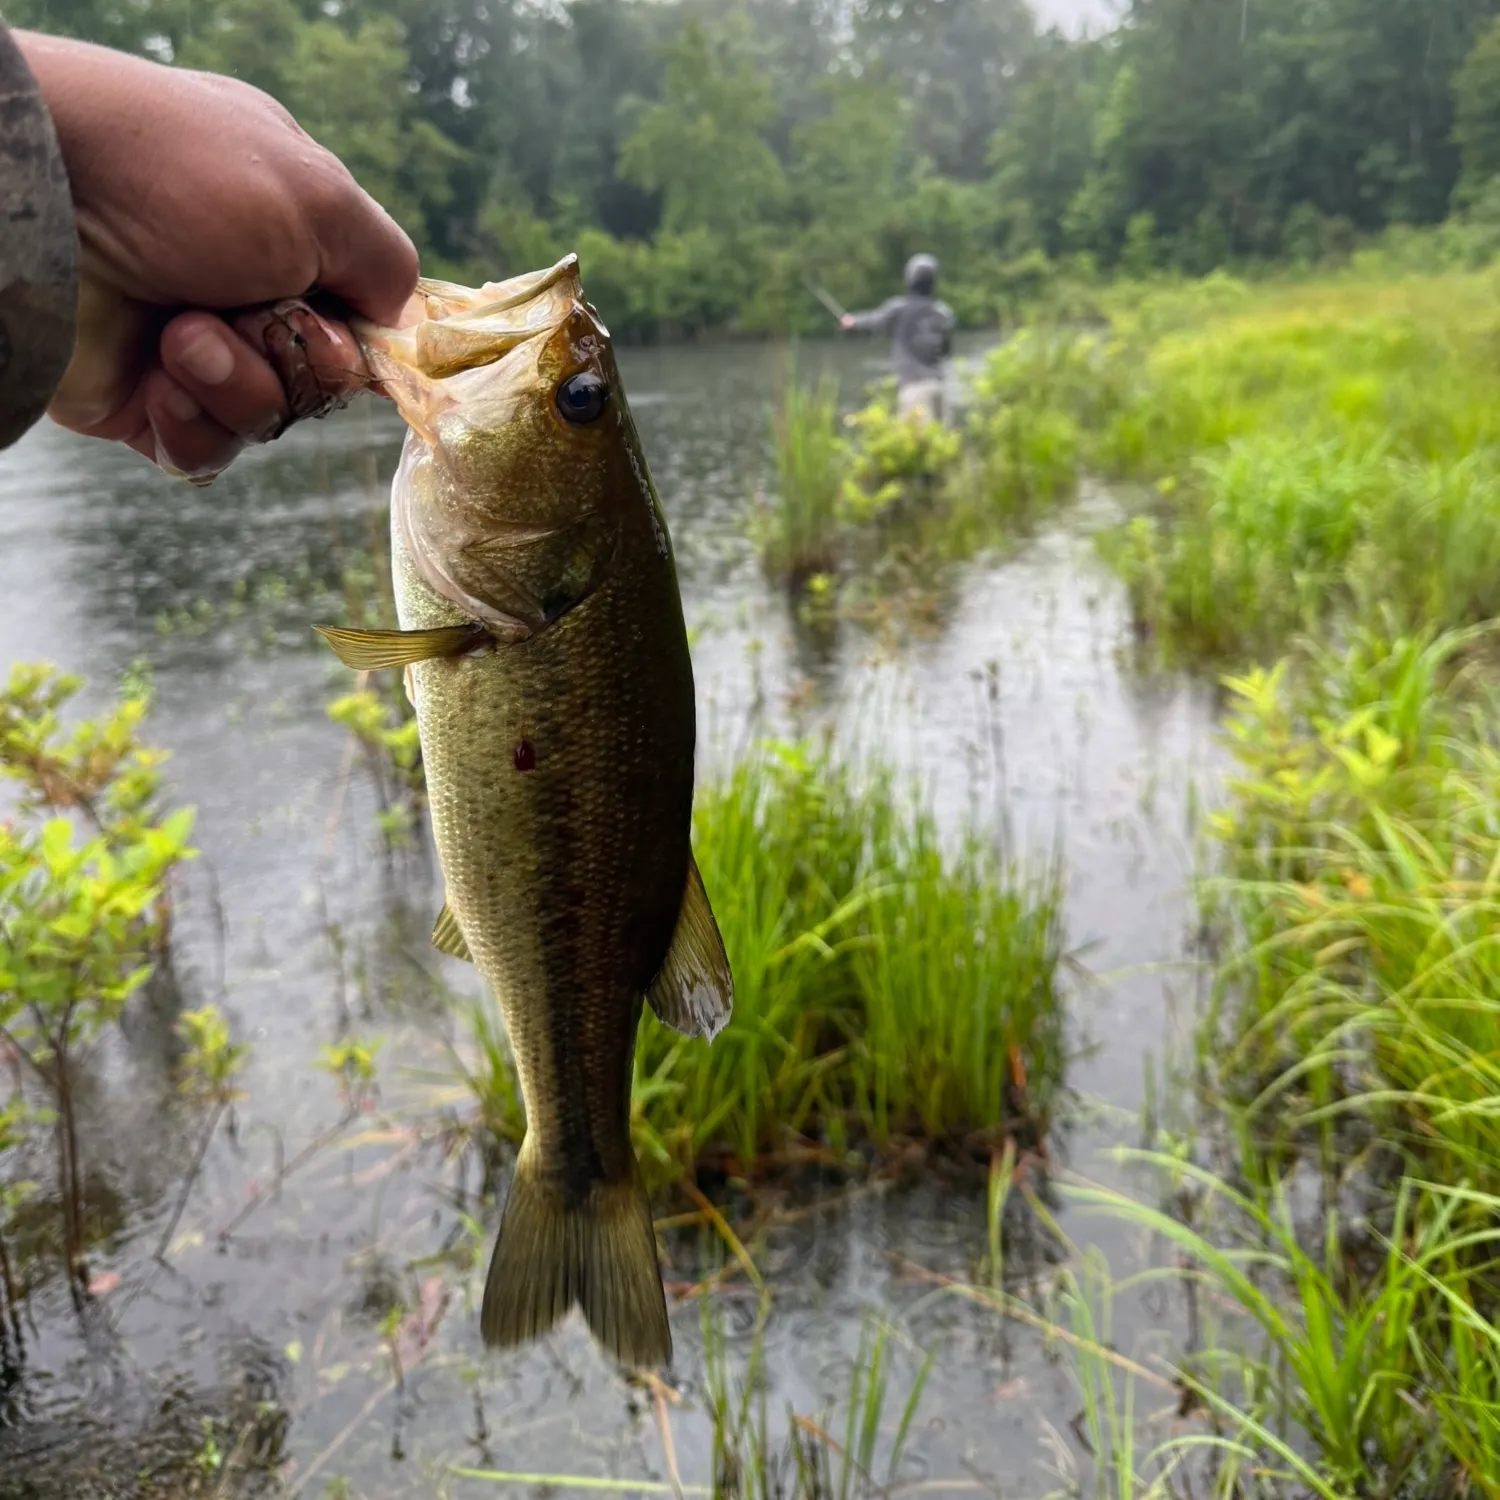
[601, 1255]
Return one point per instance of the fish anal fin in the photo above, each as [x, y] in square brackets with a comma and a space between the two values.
[367, 650]
[447, 936]
[694, 992]
[600, 1254]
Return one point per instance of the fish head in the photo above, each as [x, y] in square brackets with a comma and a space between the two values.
[533, 474]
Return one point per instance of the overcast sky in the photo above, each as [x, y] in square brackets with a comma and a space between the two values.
[1074, 15]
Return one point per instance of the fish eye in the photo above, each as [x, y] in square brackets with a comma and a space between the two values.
[582, 397]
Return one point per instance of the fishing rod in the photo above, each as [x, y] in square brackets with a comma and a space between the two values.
[825, 299]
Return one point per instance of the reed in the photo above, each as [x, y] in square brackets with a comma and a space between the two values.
[888, 990]
[1316, 452]
[798, 531]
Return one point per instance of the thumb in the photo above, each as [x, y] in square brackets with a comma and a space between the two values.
[114, 331]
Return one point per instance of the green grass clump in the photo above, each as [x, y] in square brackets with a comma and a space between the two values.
[799, 531]
[1361, 896]
[1356, 1029]
[857, 497]
[1315, 1379]
[1035, 401]
[887, 990]
[895, 462]
[1317, 450]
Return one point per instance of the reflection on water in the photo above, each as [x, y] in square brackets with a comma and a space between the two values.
[1019, 702]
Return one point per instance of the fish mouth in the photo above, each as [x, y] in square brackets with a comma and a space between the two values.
[466, 328]
[446, 298]
[471, 329]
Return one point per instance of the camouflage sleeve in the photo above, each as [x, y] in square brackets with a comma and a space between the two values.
[878, 319]
[38, 250]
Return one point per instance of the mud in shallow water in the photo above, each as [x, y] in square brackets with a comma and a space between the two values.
[297, 924]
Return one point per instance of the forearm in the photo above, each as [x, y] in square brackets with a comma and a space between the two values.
[872, 321]
[39, 250]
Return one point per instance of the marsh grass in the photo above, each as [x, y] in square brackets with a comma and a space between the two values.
[1322, 1379]
[1316, 450]
[889, 991]
[798, 532]
[850, 1449]
[1354, 1037]
[1360, 900]
[1035, 401]
[819, 1457]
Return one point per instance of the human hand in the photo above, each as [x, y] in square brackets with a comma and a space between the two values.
[847, 321]
[197, 195]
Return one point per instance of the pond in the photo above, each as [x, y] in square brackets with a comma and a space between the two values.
[296, 922]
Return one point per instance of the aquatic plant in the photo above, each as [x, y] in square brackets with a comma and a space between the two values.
[819, 1458]
[1358, 899]
[1354, 1042]
[1033, 399]
[1390, 1375]
[852, 1450]
[84, 914]
[1317, 450]
[895, 462]
[888, 990]
[798, 532]
[386, 733]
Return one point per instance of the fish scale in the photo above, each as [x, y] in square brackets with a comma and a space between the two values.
[548, 663]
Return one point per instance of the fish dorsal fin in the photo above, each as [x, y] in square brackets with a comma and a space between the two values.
[694, 992]
[447, 936]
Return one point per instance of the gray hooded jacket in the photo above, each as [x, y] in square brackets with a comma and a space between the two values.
[920, 326]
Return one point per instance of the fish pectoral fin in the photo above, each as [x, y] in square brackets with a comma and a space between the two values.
[694, 992]
[447, 936]
[366, 650]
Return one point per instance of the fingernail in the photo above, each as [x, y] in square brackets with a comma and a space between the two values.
[271, 429]
[181, 405]
[207, 358]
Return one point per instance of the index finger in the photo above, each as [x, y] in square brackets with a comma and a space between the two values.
[364, 256]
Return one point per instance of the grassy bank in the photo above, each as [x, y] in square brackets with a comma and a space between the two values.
[1361, 902]
[1309, 452]
[889, 993]
[1352, 1062]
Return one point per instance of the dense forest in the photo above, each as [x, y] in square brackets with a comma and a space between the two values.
[708, 157]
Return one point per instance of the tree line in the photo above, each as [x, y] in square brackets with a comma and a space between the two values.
[708, 158]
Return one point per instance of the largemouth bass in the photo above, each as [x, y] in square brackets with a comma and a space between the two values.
[546, 657]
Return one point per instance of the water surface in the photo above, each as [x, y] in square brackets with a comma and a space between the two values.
[1022, 702]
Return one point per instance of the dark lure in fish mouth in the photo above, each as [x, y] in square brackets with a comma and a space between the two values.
[547, 660]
